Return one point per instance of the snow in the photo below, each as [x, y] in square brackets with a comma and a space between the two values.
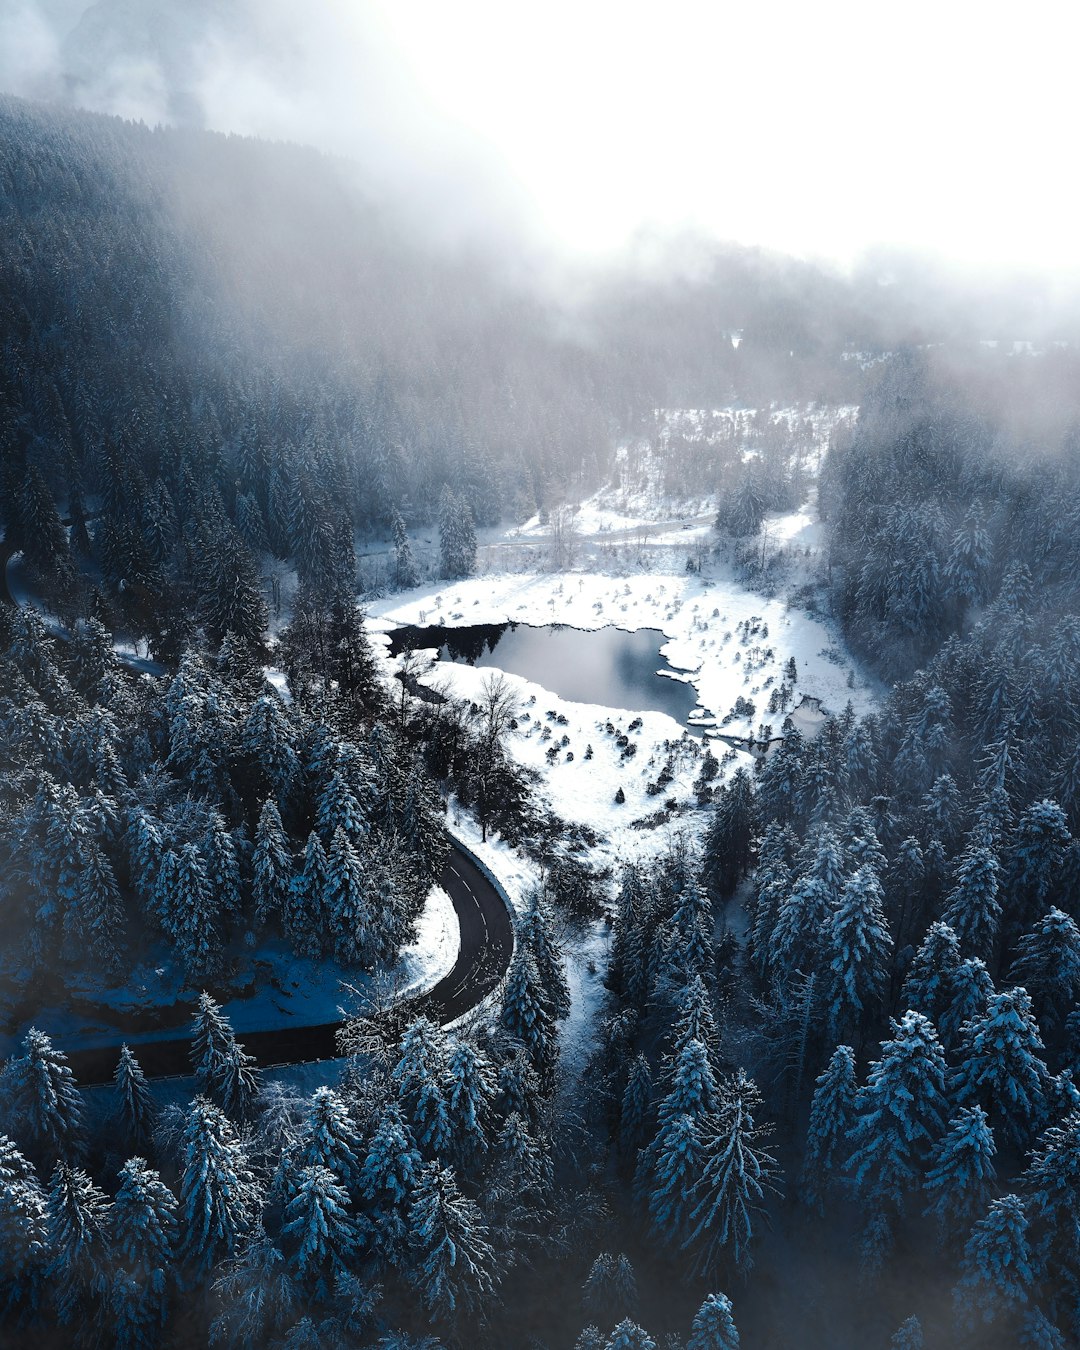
[699, 617]
[277, 989]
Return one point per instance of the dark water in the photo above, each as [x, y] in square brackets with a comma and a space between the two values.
[605, 666]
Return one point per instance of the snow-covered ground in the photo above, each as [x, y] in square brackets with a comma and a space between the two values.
[729, 643]
[276, 989]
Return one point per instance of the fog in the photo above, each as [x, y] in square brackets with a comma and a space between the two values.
[822, 131]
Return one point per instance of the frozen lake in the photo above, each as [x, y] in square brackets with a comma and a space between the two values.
[605, 666]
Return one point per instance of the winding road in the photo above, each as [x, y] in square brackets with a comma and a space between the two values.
[487, 943]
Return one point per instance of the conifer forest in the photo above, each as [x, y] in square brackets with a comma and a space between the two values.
[370, 982]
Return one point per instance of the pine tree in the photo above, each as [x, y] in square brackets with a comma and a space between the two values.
[135, 1106]
[972, 908]
[971, 991]
[636, 1108]
[266, 740]
[457, 536]
[419, 1080]
[1047, 964]
[455, 1271]
[1035, 852]
[610, 1289]
[306, 920]
[318, 1229]
[737, 1175]
[258, 1297]
[997, 1272]
[908, 1336]
[858, 947]
[536, 932]
[212, 1042]
[339, 808]
[219, 1197]
[239, 1083]
[629, 1336]
[1039, 1333]
[406, 574]
[271, 863]
[99, 912]
[832, 1115]
[928, 985]
[469, 1096]
[590, 1338]
[388, 1182]
[668, 1172]
[143, 1236]
[713, 1327]
[900, 1113]
[76, 1233]
[328, 1139]
[1051, 1184]
[44, 1098]
[1002, 1065]
[190, 912]
[527, 1014]
[24, 1246]
[961, 1171]
[347, 902]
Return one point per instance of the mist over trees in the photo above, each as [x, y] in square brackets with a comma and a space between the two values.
[841, 1008]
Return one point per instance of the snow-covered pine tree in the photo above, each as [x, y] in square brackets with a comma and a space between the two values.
[804, 914]
[267, 742]
[900, 1113]
[456, 1270]
[327, 1138]
[961, 1171]
[536, 932]
[667, 1175]
[635, 1115]
[406, 573]
[997, 1271]
[143, 1236]
[457, 535]
[1047, 964]
[239, 1083]
[858, 947]
[527, 1014]
[1034, 857]
[713, 1327]
[136, 1109]
[971, 991]
[928, 985]
[339, 809]
[972, 908]
[271, 864]
[832, 1115]
[1051, 1184]
[45, 1100]
[24, 1249]
[318, 1234]
[190, 911]
[737, 1176]
[306, 920]
[610, 1289]
[347, 902]
[469, 1095]
[77, 1235]
[629, 1336]
[257, 1297]
[387, 1184]
[419, 1081]
[908, 1336]
[212, 1041]
[219, 1196]
[1002, 1064]
[98, 912]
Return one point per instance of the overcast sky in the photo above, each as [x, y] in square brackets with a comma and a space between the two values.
[814, 127]
[817, 128]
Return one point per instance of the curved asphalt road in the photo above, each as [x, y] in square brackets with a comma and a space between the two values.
[487, 943]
